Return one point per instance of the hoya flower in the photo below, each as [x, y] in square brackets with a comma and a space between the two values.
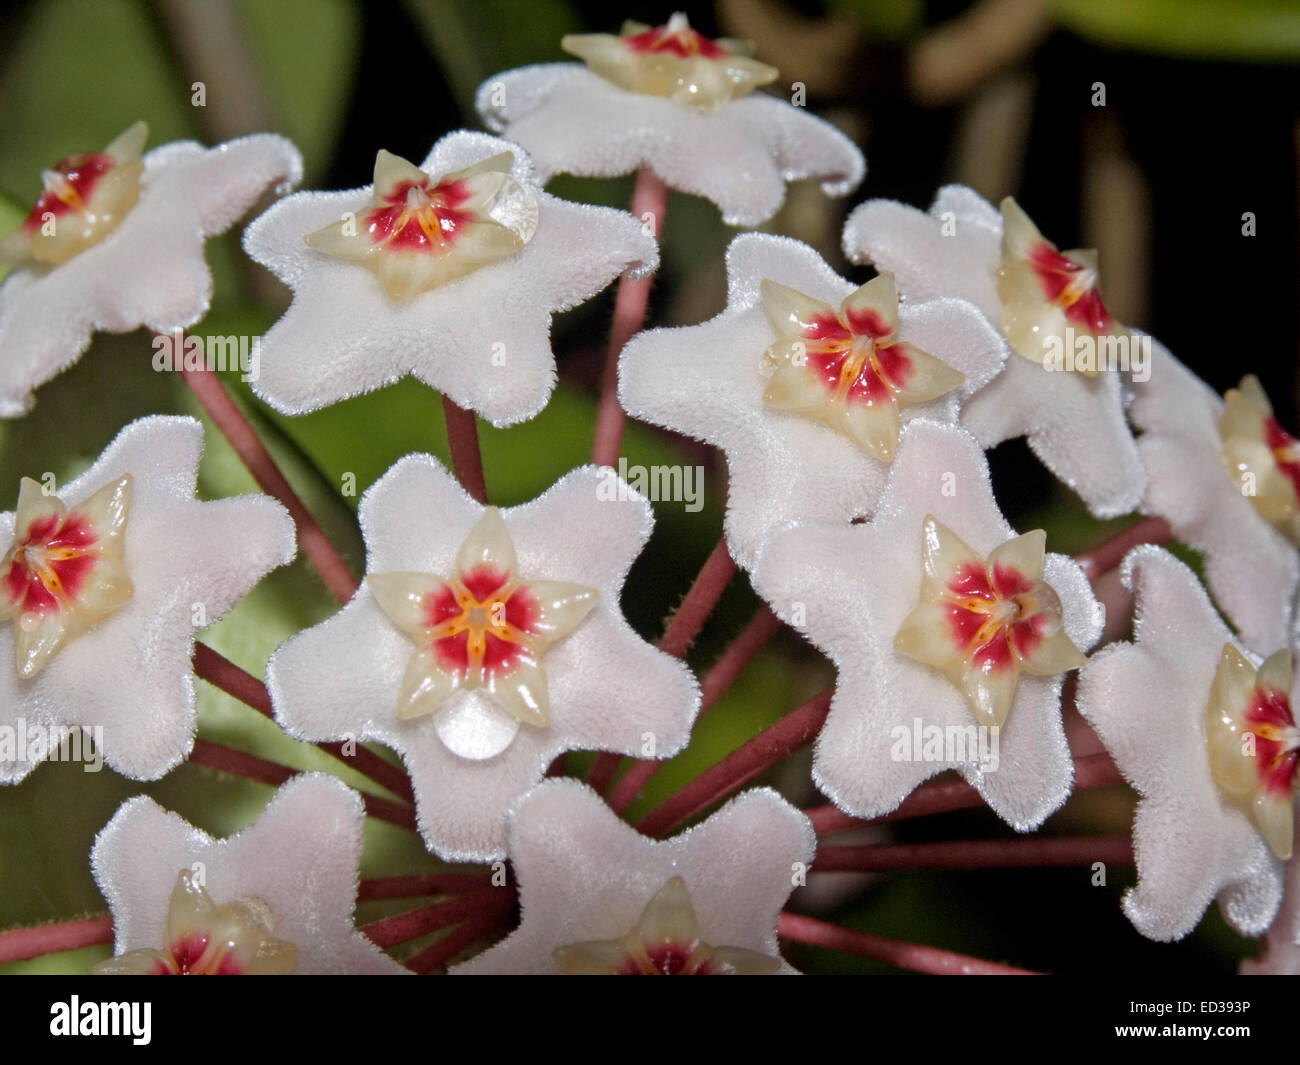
[670, 99]
[1221, 473]
[600, 898]
[483, 643]
[950, 633]
[804, 382]
[450, 271]
[1064, 392]
[109, 577]
[1204, 730]
[115, 242]
[277, 897]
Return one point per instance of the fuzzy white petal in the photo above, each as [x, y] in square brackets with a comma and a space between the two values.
[483, 339]
[131, 673]
[852, 586]
[1074, 424]
[704, 381]
[148, 272]
[1251, 567]
[584, 874]
[739, 156]
[1146, 700]
[606, 685]
[300, 857]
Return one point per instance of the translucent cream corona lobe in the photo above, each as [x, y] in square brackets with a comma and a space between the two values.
[204, 939]
[982, 623]
[1254, 744]
[673, 61]
[1043, 290]
[423, 232]
[845, 367]
[85, 198]
[1263, 458]
[483, 627]
[65, 569]
[666, 941]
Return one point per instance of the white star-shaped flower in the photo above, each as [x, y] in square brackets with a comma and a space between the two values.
[1173, 709]
[482, 644]
[671, 100]
[276, 897]
[598, 897]
[811, 440]
[450, 271]
[1203, 479]
[1042, 300]
[115, 243]
[901, 713]
[103, 587]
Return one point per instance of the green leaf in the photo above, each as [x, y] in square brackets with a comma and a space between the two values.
[307, 53]
[80, 73]
[1252, 30]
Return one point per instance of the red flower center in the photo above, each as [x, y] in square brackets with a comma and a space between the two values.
[1277, 740]
[852, 358]
[420, 216]
[50, 565]
[994, 620]
[1072, 287]
[481, 621]
[74, 181]
[684, 42]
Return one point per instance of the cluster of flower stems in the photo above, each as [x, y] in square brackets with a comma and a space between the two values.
[470, 907]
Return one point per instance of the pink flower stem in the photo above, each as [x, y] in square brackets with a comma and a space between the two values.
[222, 673]
[230, 420]
[742, 765]
[976, 854]
[253, 767]
[1107, 555]
[457, 940]
[703, 596]
[944, 796]
[462, 438]
[411, 924]
[21, 944]
[694, 611]
[894, 952]
[649, 197]
[409, 887]
[761, 628]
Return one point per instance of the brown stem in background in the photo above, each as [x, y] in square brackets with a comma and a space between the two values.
[466, 459]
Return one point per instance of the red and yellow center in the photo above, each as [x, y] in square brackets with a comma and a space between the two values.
[673, 61]
[85, 197]
[1254, 744]
[1262, 458]
[481, 621]
[420, 216]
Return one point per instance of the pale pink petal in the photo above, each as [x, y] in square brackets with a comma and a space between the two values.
[300, 858]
